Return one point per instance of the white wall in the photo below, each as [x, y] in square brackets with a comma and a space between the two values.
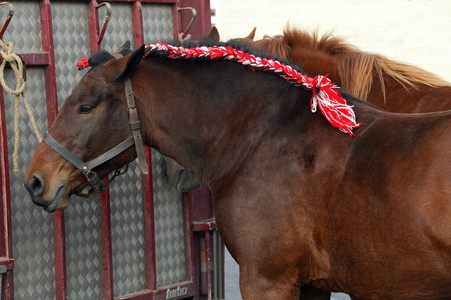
[413, 31]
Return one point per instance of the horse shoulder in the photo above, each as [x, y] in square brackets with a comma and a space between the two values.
[263, 215]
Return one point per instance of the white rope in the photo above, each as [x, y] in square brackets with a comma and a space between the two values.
[15, 62]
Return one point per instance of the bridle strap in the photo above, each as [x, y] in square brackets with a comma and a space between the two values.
[87, 168]
[113, 152]
[49, 140]
[135, 127]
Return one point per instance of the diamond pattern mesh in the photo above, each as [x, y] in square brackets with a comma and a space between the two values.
[22, 30]
[32, 228]
[33, 244]
[168, 203]
[127, 230]
[120, 26]
[157, 22]
[71, 42]
[83, 249]
[82, 217]
[169, 227]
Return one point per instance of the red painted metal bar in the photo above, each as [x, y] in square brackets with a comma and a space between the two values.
[36, 59]
[176, 21]
[7, 285]
[203, 267]
[189, 238]
[138, 27]
[8, 19]
[52, 111]
[105, 205]
[149, 226]
[107, 252]
[184, 32]
[148, 205]
[209, 256]
[202, 25]
[48, 47]
[105, 21]
[6, 254]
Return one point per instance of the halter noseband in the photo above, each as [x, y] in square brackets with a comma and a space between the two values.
[87, 168]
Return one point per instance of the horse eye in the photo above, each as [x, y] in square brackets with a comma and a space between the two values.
[85, 109]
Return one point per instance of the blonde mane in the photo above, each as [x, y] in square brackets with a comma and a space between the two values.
[354, 67]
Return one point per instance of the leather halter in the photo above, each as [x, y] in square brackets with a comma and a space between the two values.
[87, 168]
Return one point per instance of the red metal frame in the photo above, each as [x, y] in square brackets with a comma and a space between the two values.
[192, 222]
[6, 255]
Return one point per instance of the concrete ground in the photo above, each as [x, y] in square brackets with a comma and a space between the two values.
[231, 274]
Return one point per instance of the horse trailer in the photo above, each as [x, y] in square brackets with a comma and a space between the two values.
[141, 239]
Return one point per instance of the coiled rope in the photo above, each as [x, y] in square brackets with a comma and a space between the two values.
[16, 64]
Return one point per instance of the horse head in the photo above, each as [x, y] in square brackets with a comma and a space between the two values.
[92, 121]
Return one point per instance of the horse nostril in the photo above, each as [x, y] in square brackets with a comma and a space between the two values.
[35, 186]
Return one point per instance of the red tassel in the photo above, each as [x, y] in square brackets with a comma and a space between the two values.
[332, 105]
[83, 64]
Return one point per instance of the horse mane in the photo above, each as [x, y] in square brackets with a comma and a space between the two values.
[238, 44]
[325, 95]
[275, 45]
[355, 67]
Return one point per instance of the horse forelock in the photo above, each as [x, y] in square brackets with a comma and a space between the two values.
[355, 67]
[100, 58]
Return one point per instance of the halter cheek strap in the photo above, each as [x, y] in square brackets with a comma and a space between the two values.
[135, 127]
[87, 168]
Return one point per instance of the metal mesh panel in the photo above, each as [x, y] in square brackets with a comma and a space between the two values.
[168, 203]
[23, 30]
[32, 227]
[83, 249]
[169, 227]
[82, 221]
[120, 26]
[157, 22]
[71, 42]
[127, 230]
[127, 222]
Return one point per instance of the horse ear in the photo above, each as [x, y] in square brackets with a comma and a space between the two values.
[124, 49]
[213, 34]
[132, 64]
[251, 35]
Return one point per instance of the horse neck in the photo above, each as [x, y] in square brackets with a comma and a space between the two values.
[205, 117]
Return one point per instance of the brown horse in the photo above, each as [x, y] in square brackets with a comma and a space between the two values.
[297, 202]
[391, 85]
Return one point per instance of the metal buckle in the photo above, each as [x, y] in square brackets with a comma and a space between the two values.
[95, 181]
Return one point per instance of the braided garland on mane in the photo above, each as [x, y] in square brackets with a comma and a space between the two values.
[325, 93]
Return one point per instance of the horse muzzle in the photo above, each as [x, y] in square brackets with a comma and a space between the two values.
[57, 199]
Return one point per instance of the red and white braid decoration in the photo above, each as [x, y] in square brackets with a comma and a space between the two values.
[325, 93]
